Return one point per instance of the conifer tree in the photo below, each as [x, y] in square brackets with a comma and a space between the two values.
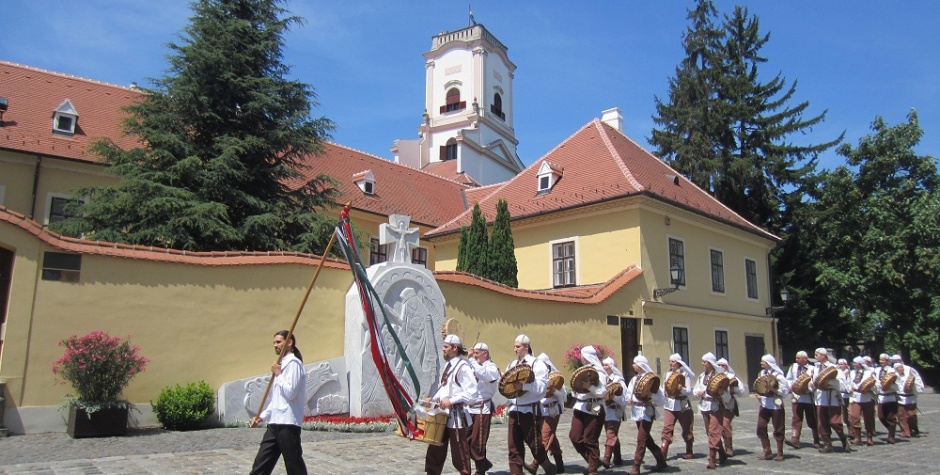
[223, 136]
[476, 248]
[502, 250]
[462, 249]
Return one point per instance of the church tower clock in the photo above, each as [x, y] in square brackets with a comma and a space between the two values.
[467, 129]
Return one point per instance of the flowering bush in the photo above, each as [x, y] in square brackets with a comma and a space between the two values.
[573, 356]
[98, 367]
[350, 424]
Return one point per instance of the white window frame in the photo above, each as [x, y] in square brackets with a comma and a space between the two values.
[551, 260]
[711, 282]
[688, 336]
[53, 194]
[756, 279]
[715, 331]
[685, 267]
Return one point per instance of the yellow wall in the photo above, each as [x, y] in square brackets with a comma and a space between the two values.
[18, 174]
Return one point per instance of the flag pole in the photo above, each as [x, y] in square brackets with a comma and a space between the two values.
[300, 310]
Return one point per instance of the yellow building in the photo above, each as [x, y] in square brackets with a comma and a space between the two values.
[598, 223]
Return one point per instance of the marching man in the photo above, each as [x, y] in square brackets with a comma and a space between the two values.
[771, 409]
[643, 412]
[587, 419]
[736, 388]
[828, 403]
[678, 408]
[907, 402]
[711, 409]
[553, 405]
[458, 389]
[861, 403]
[523, 410]
[481, 410]
[613, 415]
[803, 407]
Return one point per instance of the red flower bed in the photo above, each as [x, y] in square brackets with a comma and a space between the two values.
[348, 419]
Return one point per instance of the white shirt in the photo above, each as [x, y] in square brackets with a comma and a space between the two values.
[554, 405]
[460, 386]
[792, 374]
[889, 395]
[535, 390]
[286, 405]
[487, 375]
[831, 394]
[911, 398]
[740, 390]
[782, 390]
[642, 410]
[594, 398]
[680, 403]
[615, 408]
[706, 403]
[855, 395]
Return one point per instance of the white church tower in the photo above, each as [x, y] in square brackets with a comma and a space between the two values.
[467, 132]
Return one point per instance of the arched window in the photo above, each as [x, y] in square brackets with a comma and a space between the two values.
[451, 153]
[453, 102]
[497, 107]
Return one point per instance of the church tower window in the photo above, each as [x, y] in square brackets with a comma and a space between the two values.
[453, 101]
[449, 151]
[497, 107]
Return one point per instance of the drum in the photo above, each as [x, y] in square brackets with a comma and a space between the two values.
[429, 427]
[555, 382]
[887, 381]
[909, 384]
[510, 383]
[825, 377]
[613, 390]
[674, 384]
[718, 385]
[801, 385]
[646, 385]
[583, 378]
[867, 385]
[766, 385]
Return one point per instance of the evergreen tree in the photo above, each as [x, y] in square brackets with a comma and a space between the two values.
[462, 248]
[502, 250]
[476, 248]
[225, 135]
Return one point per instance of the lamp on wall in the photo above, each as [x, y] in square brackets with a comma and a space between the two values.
[675, 272]
[784, 297]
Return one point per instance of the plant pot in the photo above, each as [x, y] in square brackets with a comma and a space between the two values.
[102, 423]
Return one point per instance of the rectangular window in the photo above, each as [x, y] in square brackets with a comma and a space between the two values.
[563, 264]
[677, 259]
[58, 209]
[378, 253]
[721, 344]
[61, 266]
[419, 255]
[680, 342]
[718, 271]
[750, 270]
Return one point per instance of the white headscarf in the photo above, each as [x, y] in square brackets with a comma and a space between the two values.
[859, 360]
[643, 363]
[711, 359]
[544, 359]
[678, 359]
[896, 359]
[589, 354]
[772, 362]
[613, 366]
[730, 370]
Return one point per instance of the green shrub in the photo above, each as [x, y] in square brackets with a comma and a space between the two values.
[184, 407]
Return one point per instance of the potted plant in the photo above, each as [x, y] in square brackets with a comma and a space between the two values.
[98, 367]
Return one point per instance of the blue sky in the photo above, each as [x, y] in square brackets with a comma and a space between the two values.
[855, 59]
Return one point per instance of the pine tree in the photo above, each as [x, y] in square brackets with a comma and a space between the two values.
[502, 250]
[225, 136]
[462, 248]
[476, 248]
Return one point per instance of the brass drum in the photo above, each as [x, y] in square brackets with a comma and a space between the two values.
[674, 384]
[510, 384]
[824, 378]
[646, 385]
[555, 382]
[766, 385]
[887, 381]
[613, 390]
[801, 385]
[867, 385]
[909, 384]
[583, 378]
[718, 385]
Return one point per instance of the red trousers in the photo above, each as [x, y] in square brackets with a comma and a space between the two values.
[685, 419]
[549, 439]
[714, 421]
[585, 431]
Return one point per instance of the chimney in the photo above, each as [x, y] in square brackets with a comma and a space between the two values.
[613, 118]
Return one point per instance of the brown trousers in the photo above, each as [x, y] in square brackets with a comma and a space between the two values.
[773, 416]
[645, 441]
[584, 434]
[804, 410]
[862, 411]
[479, 435]
[727, 418]
[685, 419]
[523, 431]
[907, 418]
[549, 438]
[829, 419]
[612, 431]
[714, 421]
[888, 415]
[459, 441]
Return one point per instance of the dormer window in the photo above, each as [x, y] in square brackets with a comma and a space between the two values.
[65, 118]
[365, 180]
[548, 175]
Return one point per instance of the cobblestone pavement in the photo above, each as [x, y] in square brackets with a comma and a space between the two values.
[231, 451]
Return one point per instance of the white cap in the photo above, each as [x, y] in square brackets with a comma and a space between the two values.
[896, 358]
[452, 340]
[481, 346]
[859, 360]
[822, 351]
[523, 339]
[801, 354]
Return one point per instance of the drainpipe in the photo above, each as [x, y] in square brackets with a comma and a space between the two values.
[32, 208]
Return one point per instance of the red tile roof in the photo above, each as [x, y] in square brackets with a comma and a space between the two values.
[599, 164]
[33, 95]
[448, 169]
[429, 199]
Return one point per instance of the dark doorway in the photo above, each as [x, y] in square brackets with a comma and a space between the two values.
[6, 278]
[754, 347]
[629, 345]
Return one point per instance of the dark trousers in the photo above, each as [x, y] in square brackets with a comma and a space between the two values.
[685, 420]
[645, 441]
[585, 431]
[888, 415]
[801, 411]
[773, 416]
[280, 439]
[830, 419]
[524, 431]
[459, 441]
[549, 438]
[479, 435]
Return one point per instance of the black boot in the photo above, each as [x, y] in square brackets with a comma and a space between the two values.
[559, 463]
